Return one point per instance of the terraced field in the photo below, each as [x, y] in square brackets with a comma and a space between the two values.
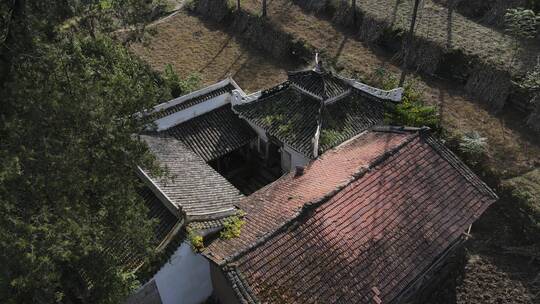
[443, 27]
[512, 147]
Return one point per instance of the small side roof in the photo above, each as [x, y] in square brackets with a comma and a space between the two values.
[190, 185]
[183, 102]
[166, 228]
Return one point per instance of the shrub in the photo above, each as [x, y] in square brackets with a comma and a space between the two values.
[521, 23]
[328, 137]
[531, 84]
[232, 228]
[473, 146]
[177, 85]
[196, 241]
[411, 111]
[414, 114]
[190, 5]
[525, 196]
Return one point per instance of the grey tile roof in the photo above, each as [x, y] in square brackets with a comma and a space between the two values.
[166, 222]
[191, 185]
[287, 115]
[201, 225]
[348, 117]
[188, 103]
[156, 210]
[214, 134]
[323, 84]
[291, 116]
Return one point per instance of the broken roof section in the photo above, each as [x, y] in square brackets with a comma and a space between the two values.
[382, 211]
[190, 186]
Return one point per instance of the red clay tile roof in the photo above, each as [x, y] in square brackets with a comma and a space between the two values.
[270, 207]
[379, 232]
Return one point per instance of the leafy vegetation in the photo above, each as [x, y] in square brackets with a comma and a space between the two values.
[473, 146]
[412, 110]
[232, 227]
[521, 23]
[196, 241]
[531, 83]
[180, 86]
[328, 137]
[525, 191]
[67, 151]
[272, 119]
[524, 24]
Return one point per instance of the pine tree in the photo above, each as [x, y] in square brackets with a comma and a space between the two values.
[68, 92]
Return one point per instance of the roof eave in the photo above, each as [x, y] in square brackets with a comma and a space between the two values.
[163, 197]
[394, 95]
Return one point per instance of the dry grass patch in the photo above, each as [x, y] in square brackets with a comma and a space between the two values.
[193, 46]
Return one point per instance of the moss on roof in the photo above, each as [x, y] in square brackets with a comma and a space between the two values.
[291, 116]
[348, 117]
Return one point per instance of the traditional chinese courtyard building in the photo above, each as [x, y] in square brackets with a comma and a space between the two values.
[338, 208]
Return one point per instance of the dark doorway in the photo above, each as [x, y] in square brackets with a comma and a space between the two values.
[274, 156]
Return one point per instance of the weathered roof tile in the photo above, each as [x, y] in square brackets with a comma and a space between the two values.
[191, 185]
[273, 205]
[291, 116]
[406, 201]
[214, 134]
[322, 84]
[189, 103]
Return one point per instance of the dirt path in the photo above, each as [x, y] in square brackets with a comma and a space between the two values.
[176, 6]
[511, 148]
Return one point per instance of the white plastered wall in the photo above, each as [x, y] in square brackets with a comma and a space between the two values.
[297, 159]
[185, 278]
